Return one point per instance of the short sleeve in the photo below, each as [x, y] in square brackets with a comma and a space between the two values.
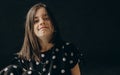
[72, 55]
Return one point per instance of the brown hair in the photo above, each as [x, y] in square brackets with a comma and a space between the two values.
[31, 47]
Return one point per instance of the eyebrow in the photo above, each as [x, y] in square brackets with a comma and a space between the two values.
[42, 16]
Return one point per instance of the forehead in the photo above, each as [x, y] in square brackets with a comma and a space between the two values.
[41, 12]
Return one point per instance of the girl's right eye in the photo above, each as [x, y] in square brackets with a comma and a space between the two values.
[36, 21]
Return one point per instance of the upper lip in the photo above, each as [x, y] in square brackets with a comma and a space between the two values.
[43, 27]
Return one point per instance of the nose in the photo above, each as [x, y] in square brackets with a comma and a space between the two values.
[42, 22]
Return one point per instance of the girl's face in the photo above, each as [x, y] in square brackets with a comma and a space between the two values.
[42, 24]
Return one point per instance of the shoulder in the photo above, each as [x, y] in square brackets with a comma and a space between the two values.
[17, 60]
[65, 46]
[69, 46]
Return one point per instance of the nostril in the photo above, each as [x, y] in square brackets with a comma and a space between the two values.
[42, 23]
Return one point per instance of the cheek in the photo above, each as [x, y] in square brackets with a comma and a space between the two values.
[34, 28]
[51, 26]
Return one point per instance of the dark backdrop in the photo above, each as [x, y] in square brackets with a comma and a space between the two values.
[91, 25]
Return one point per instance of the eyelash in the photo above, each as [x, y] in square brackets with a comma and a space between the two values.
[35, 21]
[45, 19]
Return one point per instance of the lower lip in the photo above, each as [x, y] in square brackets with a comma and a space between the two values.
[42, 28]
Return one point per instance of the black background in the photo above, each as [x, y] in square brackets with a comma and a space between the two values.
[92, 25]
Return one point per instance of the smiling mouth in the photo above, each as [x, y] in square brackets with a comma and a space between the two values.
[42, 28]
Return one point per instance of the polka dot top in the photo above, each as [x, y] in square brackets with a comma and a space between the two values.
[56, 61]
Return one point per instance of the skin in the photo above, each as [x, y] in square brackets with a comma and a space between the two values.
[76, 70]
[44, 29]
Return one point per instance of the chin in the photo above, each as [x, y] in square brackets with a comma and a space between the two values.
[43, 35]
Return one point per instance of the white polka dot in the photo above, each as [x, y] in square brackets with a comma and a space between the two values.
[72, 53]
[43, 55]
[81, 54]
[18, 60]
[29, 60]
[49, 73]
[24, 69]
[64, 59]
[14, 66]
[39, 73]
[47, 62]
[29, 72]
[67, 43]
[54, 66]
[71, 61]
[62, 71]
[44, 69]
[22, 61]
[5, 69]
[53, 57]
[56, 49]
[11, 73]
[30, 68]
[37, 63]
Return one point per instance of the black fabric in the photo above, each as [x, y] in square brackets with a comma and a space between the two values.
[56, 61]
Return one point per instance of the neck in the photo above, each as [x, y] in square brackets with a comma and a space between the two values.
[45, 45]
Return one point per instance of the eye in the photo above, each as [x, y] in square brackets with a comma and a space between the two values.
[46, 18]
[36, 21]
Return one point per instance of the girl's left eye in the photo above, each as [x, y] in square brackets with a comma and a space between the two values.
[46, 18]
